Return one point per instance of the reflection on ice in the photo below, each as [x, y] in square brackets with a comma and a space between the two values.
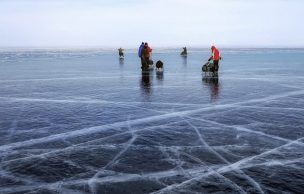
[214, 86]
[160, 76]
[90, 125]
[121, 61]
[146, 84]
[184, 60]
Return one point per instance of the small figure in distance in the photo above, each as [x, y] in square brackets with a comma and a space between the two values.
[215, 56]
[120, 52]
[184, 52]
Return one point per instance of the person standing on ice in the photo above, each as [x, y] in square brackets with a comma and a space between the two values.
[148, 49]
[140, 49]
[216, 56]
[145, 60]
[120, 52]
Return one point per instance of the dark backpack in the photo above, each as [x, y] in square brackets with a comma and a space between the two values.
[159, 64]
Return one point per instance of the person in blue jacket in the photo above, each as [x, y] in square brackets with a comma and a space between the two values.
[140, 49]
[140, 53]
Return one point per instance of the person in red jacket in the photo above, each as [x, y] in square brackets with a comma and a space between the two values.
[149, 49]
[216, 56]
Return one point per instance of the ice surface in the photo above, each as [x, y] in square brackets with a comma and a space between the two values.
[83, 121]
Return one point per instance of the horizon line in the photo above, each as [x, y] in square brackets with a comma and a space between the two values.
[155, 47]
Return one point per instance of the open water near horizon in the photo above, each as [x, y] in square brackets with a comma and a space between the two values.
[83, 121]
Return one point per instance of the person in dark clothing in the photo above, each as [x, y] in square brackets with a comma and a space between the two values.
[184, 53]
[120, 52]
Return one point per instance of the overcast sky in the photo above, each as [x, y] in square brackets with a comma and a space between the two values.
[163, 23]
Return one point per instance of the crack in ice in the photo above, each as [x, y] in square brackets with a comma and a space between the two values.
[228, 168]
[95, 129]
[251, 180]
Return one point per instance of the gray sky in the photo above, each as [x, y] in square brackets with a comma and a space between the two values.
[162, 23]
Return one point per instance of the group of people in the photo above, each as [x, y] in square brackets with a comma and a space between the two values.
[144, 53]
